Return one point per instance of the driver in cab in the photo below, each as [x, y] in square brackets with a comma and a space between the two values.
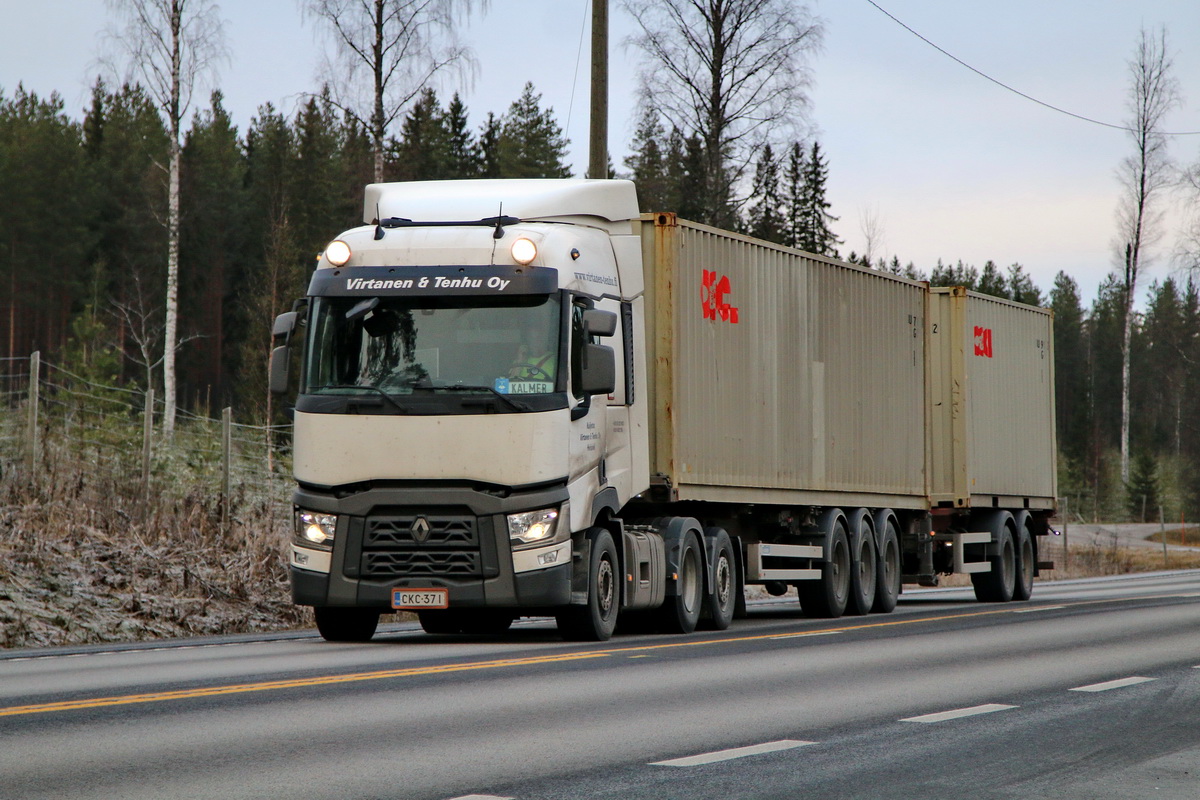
[536, 357]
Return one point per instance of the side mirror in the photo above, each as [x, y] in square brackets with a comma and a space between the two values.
[599, 374]
[278, 374]
[599, 323]
[285, 326]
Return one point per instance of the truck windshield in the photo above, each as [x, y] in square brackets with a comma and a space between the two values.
[423, 345]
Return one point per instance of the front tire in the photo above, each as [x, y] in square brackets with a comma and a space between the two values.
[346, 624]
[596, 621]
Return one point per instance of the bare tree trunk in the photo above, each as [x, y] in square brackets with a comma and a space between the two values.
[404, 45]
[170, 44]
[1153, 93]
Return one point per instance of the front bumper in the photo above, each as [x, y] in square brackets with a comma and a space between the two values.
[466, 550]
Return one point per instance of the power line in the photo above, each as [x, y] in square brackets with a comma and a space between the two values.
[1017, 92]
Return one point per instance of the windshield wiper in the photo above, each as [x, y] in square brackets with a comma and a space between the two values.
[369, 387]
[516, 405]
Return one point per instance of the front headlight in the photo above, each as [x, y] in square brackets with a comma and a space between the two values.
[314, 529]
[534, 527]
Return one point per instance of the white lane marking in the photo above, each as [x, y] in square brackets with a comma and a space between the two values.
[1039, 608]
[481, 797]
[799, 635]
[958, 713]
[736, 752]
[1120, 683]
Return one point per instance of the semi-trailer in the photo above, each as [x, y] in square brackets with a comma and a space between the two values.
[526, 398]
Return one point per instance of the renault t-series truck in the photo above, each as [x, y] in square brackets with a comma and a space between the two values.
[526, 398]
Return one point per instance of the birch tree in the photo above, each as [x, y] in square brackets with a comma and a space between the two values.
[732, 72]
[170, 47]
[1145, 175]
[386, 52]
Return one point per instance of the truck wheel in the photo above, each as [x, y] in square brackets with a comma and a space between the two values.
[440, 621]
[719, 605]
[863, 566]
[346, 624]
[596, 621]
[997, 585]
[681, 612]
[888, 573]
[828, 596]
[1023, 587]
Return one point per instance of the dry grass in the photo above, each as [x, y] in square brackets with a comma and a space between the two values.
[89, 554]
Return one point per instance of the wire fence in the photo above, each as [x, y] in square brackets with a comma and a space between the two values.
[57, 425]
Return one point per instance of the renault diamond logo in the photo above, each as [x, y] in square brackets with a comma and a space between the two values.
[420, 530]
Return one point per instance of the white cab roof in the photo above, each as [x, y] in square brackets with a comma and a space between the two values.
[429, 201]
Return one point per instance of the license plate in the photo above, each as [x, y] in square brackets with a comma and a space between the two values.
[420, 598]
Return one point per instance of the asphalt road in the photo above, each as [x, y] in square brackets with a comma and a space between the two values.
[1089, 691]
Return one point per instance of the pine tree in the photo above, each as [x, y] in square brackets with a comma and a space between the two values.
[959, 275]
[488, 148]
[647, 164]
[815, 234]
[531, 143]
[1021, 287]
[766, 217]
[1072, 412]
[213, 248]
[1142, 490]
[692, 176]
[793, 195]
[461, 155]
[43, 218]
[422, 151]
[991, 281]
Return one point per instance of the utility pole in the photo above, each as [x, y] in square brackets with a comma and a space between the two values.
[598, 149]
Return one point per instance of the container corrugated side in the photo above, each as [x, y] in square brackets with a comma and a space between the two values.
[779, 376]
[995, 371]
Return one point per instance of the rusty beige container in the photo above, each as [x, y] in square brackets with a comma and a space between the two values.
[992, 437]
[781, 377]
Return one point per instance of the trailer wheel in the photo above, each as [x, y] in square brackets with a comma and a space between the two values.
[681, 612]
[346, 624]
[863, 566]
[719, 604]
[596, 621]
[997, 585]
[888, 573]
[1023, 586]
[828, 596]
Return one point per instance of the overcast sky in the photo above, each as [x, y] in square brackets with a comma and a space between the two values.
[951, 166]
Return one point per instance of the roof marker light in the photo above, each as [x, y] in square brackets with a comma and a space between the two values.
[524, 251]
[338, 252]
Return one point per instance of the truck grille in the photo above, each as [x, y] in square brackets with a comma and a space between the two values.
[403, 531]
[402, 545]
[422, 564]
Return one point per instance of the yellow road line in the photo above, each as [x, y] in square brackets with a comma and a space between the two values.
[354, 677]
[264, 686]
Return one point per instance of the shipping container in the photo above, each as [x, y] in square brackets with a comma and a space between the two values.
[781, 377]
[992, 437]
